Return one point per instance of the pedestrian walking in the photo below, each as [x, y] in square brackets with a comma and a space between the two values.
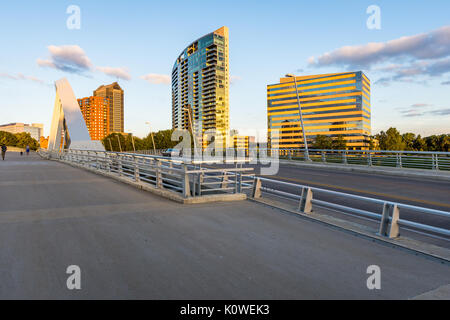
[28, 150]
[4, 148]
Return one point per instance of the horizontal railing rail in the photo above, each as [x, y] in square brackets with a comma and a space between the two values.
[174, 174]
[388, 217]
[432, 160]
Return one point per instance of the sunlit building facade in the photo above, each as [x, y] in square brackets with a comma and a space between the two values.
[36, 130]
[200, 86]
[336, 104]
[115, 96]
[95, 112]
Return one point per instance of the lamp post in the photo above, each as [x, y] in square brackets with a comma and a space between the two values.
[153, 140]
[192, 127]
[301, 117]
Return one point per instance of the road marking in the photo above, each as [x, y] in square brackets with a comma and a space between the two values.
[380, 194]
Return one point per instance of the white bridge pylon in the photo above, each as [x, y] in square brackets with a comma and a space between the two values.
[68, 127]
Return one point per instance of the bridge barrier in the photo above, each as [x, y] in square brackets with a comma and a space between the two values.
[177, 175]
[384, 158]
[389, 217]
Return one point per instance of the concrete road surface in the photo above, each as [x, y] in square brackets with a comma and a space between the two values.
[133, 244]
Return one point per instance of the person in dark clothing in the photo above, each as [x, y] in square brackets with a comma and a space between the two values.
[28, 150]
[4, 151]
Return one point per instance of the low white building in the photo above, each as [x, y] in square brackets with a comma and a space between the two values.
[36, 130]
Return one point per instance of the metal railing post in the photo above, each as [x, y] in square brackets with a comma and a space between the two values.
[120, 166]
[200, 182]
[239, 176]
[256, 188]
[435, 160]
[344, 157]
[224, 182]
[305, 203]
[137, 176]
[186, 183]
[324, 159]
[97, 161]
[389, 221]
[158, 174]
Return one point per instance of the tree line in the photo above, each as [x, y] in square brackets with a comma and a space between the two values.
[392, 139]
[19, 140]
[121, 142]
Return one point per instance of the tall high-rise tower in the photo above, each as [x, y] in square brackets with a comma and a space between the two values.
[114, 93]
[200, 86]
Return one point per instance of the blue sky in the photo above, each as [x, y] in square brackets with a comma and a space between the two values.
[410, 76]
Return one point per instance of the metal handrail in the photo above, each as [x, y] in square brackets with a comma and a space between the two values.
[178, 175]
[387, 217]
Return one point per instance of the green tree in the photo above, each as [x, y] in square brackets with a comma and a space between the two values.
[339, 143]
[8, 139]
[391, 140]
[372, 144]
[419, 144]
[323, 142]
[408, 139]
[24, 139]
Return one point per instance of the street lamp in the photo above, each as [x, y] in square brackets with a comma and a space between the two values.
[301, 117]
[192, 127]
[153, 140]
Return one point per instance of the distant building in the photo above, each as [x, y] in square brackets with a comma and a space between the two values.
[43, 142]
[200, 86]
[336, 104]
[96, 114]
[36, 130]
[243, 142]
[114, 93]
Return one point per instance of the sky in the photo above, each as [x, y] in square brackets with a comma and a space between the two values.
[405, 53]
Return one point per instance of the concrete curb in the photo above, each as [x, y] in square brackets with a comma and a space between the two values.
[419, 248]
[403, 172]
[164, 192]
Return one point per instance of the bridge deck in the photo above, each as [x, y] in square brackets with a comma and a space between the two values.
[132, 244]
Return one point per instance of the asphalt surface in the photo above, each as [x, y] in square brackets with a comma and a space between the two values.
[133, 244]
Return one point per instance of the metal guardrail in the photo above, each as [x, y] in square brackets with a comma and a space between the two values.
[177, 175]
[385, 158]
[398, 159]
[389, 216]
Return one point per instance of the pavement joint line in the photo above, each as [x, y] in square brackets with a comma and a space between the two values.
[318, 218]
[32, 215]
[31, 182]
[359, 191]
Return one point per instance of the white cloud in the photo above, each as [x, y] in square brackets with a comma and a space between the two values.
[431, 45]
[68, 58]
[154, 78]
[121, 73]
[234, 79]
[20, 76]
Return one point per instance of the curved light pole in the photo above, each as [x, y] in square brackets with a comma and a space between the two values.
[192, 127]
[301, 117]
[153, 140]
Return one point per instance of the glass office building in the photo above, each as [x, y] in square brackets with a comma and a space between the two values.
[200, 86]
[336, 104]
